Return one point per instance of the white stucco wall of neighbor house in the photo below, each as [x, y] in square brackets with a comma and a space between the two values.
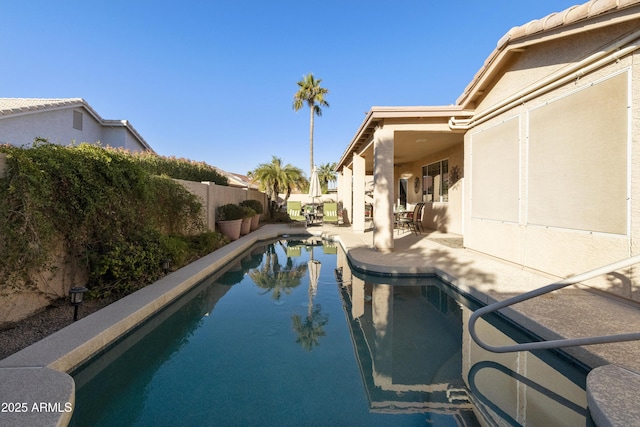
[113, 137]
[551, 179]
[131, 142]
[57, 126]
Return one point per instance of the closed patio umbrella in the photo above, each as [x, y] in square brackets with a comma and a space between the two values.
[315, 190]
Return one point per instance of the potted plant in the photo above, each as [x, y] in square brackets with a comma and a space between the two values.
[247, 214]
[229, 220]
[257, 208]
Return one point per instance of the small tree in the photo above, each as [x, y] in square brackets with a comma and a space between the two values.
[275, 178]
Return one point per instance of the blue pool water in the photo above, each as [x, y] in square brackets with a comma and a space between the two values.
[291, 336]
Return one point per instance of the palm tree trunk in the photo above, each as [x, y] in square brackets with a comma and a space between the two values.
[311, 142]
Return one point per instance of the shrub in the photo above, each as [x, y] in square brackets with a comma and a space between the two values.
[178, 168]
[123, 266]
[205, 243]
[247, 212]
[253, 204]
[280, 216]
[105, 207]
[229, 212]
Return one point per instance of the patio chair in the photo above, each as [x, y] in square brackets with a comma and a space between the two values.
[294, 210]
[413, 220]
[330, 213]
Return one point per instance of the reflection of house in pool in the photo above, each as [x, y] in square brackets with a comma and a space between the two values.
[403, 368]
[415, 355]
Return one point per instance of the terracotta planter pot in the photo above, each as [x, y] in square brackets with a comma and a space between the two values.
[246, 226]
[255, 220]
[231, 229]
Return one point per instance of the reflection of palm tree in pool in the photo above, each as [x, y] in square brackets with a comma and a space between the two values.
[273, 277]
[311, 328]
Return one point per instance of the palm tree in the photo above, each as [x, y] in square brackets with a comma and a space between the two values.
[310, 93]
[327, 174]
[275, 178]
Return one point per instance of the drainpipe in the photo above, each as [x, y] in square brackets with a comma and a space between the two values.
[614, 52]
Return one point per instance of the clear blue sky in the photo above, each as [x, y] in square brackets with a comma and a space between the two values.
[214, 80]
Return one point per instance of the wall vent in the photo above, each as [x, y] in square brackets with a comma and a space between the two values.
[77, 120]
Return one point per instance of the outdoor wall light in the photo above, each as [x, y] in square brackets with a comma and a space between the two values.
[76, 294]
[166, 263]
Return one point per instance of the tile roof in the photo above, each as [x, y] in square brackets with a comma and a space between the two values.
[568, 16]
[9, 106]
[555, 21]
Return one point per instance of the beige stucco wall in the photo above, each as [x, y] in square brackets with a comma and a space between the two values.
[596, 221]
[213, 195]
[17, 304]
[441, 216]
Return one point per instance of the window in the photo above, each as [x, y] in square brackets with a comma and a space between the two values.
[77, 120]
[435, 182]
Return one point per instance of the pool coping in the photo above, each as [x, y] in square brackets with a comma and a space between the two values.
[39, 373]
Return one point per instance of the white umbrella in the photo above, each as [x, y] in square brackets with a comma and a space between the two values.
[315, 190]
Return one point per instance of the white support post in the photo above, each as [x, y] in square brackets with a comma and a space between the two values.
[383, 189]
[359, 177]
[347, 196]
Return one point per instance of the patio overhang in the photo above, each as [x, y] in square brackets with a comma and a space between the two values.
[418, 132]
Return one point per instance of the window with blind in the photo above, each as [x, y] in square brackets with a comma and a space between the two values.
[578, 158]
[435, 182]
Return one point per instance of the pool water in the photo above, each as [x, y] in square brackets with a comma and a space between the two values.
[291, 336]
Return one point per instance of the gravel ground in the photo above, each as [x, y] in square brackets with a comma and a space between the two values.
[22, 334]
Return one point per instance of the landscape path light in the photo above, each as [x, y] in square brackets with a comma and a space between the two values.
[76, 294]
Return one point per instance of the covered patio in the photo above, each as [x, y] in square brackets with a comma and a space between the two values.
[410, 155]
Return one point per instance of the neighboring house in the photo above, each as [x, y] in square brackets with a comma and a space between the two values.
[538, 163]
[239, 180]
[63, 121]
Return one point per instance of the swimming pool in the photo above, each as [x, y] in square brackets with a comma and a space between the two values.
[292, 336]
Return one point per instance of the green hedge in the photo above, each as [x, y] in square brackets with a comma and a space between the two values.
[109, 211]
[179, 168]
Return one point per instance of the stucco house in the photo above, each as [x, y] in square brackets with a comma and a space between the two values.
[63, 121]
[537, 163]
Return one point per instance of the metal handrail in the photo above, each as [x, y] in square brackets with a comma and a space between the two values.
[568, 342]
